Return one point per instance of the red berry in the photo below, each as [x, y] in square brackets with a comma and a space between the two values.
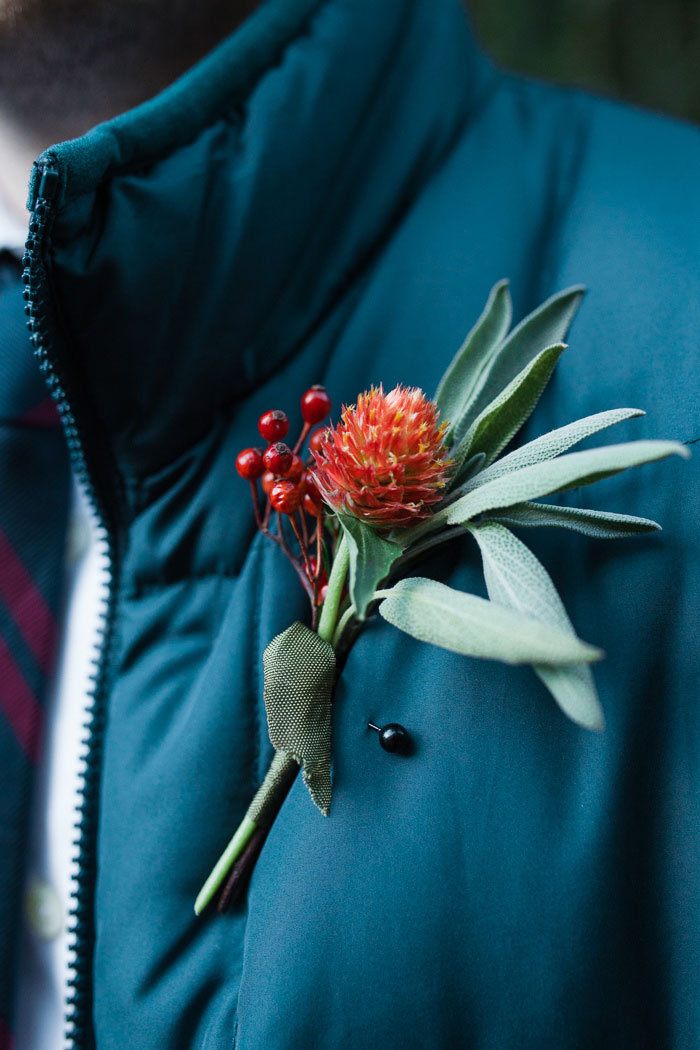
[268, 480]
[273, 425]
[315, 405]
[316, 440]
[278, 458]
[295, 471]
[310, 506]
[323, 578]
[322, 594]
[310, 488]
[249, 463]
[285, 497]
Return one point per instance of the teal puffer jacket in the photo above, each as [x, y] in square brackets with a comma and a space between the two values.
[328, 197]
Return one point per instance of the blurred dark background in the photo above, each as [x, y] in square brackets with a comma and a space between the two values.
[643, 51]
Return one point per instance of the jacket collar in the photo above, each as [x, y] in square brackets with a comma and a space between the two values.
[203, 237]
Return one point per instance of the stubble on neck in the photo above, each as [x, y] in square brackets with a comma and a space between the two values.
[66, 65]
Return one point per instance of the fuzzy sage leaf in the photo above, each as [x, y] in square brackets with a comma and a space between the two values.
[514, 577]
[458, 382]
[600, 524]
[569, 471]
[503, 417]
[543, 327]
[371, 558]
[556, 442]
[470, 625]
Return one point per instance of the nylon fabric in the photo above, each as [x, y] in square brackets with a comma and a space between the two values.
[516, 882]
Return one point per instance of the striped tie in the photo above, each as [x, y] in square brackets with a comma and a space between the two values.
[34, 499]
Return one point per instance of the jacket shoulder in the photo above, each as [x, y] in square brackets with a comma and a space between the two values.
[632, 173]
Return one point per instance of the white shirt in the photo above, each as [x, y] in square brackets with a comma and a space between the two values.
[45, 958]
[13, 233]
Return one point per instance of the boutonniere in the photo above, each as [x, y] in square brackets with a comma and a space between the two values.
[355, 505]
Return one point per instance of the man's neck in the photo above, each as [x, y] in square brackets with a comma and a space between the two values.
[65, 68]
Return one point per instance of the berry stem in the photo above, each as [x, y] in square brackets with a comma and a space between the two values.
[319, 571]
[304, 530]
[319, 545]
[336, 582]
[279, 538]
[302, 437]
[302, 545]
[266, 517]
[303, 541]
[256, 505]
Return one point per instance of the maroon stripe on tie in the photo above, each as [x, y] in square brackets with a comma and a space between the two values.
[19, 704]
[27, 606]
[6, 1040]
[44, 414]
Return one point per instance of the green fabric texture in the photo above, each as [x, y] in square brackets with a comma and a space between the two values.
[299, 677]
[273, 790]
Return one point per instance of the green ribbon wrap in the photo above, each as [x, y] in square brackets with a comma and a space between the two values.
[299, 675]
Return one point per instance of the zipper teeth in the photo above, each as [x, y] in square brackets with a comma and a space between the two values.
[78, 1003]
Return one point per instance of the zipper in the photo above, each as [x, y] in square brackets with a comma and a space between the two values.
[100, 480]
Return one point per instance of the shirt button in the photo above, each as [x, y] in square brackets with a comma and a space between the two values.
[43, 911]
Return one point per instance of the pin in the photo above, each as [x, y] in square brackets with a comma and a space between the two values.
[392, 737]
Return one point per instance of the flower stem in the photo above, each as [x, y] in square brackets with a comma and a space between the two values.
[261, 814]
[336, 582]
[273, 790]
[223, 865]
[342, 624]
[241, 871]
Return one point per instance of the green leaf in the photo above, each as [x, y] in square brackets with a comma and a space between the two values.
[503, 417]
[463, 372]
[473, 465]
[557, 475]
[371, 558]
[601, 524]
[554, 443]
[515, 577]
[543, 327]
[473, 626]
[432, 540]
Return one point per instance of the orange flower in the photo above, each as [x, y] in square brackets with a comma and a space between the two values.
[385, 462]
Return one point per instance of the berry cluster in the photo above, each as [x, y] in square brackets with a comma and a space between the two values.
[288, 483]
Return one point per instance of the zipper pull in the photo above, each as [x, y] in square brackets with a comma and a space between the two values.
[48, 184]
